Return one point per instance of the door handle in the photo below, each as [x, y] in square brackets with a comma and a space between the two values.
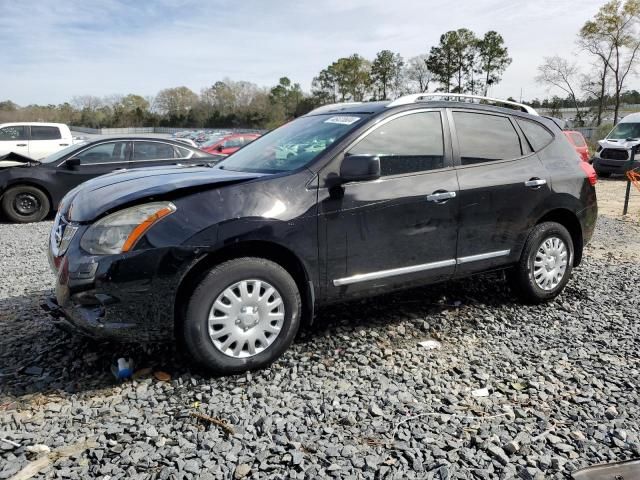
[118, 169]
[63, 144]
[440, 197]
[535, 182]
[21, 144]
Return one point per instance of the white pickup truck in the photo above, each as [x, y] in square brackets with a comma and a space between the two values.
[32, 139]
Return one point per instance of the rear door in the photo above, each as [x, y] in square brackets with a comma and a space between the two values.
[14, 138]
[503, 185]
[45, 140]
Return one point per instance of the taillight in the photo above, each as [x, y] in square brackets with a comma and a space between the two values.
[590, 171]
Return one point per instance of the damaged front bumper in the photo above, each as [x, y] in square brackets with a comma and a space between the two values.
[125, 297]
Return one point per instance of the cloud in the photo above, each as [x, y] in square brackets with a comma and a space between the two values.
[51, 51]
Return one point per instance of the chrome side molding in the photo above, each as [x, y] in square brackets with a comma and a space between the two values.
[483, 256]
[364, 277]
[393, 272]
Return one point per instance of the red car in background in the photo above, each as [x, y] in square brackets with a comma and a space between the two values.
[229, 144]
[579, 143]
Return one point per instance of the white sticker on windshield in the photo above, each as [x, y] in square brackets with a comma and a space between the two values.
[342, 119]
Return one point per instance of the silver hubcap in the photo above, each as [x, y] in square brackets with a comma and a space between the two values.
[550, 263]
[246, 318]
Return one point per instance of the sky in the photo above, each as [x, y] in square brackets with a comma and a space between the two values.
[51, 51]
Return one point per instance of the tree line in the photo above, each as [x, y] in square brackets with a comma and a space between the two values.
[612, 41]
[461, 62]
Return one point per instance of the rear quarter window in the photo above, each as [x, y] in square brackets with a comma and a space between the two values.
[538, 136]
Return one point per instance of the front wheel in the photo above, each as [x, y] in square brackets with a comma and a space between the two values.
[25, 204]
[546, 263]
[242, 316]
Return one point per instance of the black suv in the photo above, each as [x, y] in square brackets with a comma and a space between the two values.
[31, 189]
[347, 201]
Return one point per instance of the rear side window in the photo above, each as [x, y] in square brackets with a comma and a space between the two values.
[486, 138]
[538, 136]
[411, 143]
[45, 133]
[152, 151]
[578, 140]
[18, 132]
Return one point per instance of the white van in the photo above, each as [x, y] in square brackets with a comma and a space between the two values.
[32, 139]
[614, 152]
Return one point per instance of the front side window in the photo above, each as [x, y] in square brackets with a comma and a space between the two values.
[152, 151]
[538, 136]
[104, 153]
[408, 144]
[293, 145]
[486, 138]
[45, 133]
[18, 132]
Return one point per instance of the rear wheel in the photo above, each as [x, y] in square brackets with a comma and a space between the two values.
[242, 316]
[546, 263]
[25, 204]
[603, 174]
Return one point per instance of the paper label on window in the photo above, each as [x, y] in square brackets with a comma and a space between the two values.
[342, 119]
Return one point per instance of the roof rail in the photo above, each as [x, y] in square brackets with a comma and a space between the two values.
[331, 106]
[417, 97]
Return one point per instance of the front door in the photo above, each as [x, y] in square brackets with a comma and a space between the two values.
[503, 185]
[402, 228]
[95, 161]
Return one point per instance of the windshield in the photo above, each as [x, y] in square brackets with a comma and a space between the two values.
[625, 130]
[61, 153]
[293, 145]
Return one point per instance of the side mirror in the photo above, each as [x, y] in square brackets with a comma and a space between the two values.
[219, 148]
[72, 162]
[359, 168]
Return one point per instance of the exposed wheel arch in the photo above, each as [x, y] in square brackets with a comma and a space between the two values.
[263, 249]
[570, 221]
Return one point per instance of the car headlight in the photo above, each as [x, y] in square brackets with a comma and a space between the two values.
[120, 231]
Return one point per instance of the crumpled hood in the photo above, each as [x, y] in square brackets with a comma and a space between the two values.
[620, 144]
[108, 192]
[13, 159]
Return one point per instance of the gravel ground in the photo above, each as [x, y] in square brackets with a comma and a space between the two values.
[355, 397]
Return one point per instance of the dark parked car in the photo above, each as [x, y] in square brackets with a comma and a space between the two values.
[30, 189]
[234, 258]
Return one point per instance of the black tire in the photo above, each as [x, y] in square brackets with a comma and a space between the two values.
[522, 278]
[603, 174]
[196, 322]
[25, 204]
